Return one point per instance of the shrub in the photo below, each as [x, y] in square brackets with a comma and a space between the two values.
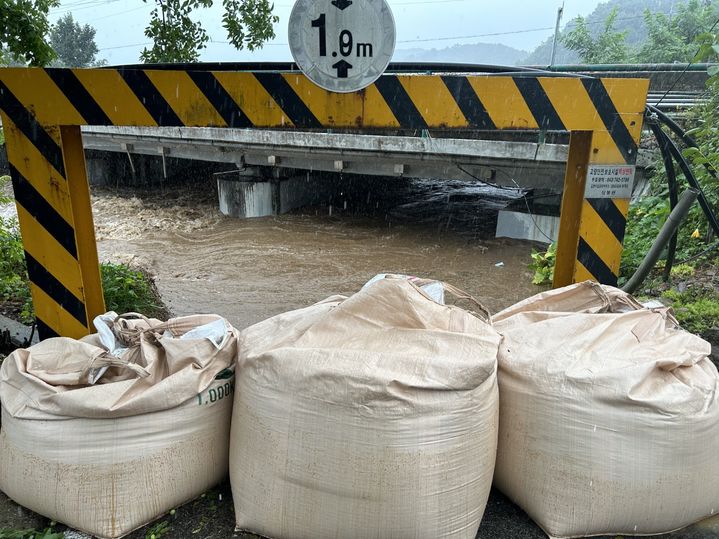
[130, 290]
[13, 270]
[125, 289]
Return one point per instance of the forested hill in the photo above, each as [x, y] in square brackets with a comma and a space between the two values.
[630, 19]
[476, 53]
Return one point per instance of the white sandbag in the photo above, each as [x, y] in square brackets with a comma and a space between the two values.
[105, 444]
[609, 419]
[373, 416]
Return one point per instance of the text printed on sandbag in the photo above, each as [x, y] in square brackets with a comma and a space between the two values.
[215, 394]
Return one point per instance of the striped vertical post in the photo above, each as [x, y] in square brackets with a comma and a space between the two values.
[55, 222]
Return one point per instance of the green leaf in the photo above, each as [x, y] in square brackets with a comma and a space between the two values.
[713, 71]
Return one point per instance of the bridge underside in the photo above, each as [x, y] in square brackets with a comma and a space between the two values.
[512, 164]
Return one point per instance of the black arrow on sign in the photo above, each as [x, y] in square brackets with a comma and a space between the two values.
[342, 68]
[341, 4]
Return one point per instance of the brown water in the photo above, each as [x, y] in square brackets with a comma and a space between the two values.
[248, 270]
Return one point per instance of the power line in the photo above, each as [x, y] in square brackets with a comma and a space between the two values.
[493, 34]
[144, 6]
[451, 38]
[444, 38]
[681, 75]
[87, 4]
[126, 46]
[507, 33]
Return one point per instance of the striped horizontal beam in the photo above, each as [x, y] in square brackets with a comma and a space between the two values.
[136, 97]
[41, 109]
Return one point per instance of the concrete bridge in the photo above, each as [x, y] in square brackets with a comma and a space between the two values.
[514, 159]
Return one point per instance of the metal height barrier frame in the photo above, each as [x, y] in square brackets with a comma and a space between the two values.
[42, 111]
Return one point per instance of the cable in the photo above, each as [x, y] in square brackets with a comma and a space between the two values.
[485, 182]
[521, 191]
[685, 138]
[32, 334]
[691, 179]
[126, 46]
[666, 144]
[703, 253]
[673, 190]
[526, 203]
[144, 6]
[681, 75]
[523, 196]
[90, 4]
[446, 38]
[493, 34]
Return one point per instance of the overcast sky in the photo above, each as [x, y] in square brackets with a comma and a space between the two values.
[428, 24]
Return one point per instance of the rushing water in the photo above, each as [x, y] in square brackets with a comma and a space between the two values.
[248, 270]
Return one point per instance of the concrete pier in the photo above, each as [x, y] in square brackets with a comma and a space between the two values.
[525, 226]
[251, 193]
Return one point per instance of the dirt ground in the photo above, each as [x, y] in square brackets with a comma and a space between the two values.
[212, 516]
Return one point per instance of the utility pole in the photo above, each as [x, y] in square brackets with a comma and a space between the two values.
[560, 12]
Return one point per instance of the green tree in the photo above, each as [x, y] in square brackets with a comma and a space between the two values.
[23, 27]
[672, 38]
[74, 44]
[608, 47]
[178, 38]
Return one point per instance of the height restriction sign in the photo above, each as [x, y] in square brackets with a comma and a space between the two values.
[342, 45]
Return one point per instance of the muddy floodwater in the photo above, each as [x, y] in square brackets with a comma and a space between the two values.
[248, 270]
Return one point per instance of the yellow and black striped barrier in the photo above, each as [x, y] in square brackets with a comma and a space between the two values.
[42, 110]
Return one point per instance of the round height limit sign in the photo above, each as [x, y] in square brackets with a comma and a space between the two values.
[342, 45]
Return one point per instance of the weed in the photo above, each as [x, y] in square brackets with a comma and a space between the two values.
[47, 533]
[696, 308]
[543, 265]
[683, 271]
[157, 530]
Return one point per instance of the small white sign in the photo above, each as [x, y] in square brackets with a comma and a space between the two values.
[342, 45]
[610, 181]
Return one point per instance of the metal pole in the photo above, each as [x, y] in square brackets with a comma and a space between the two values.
[560, 12]
[665, 235]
